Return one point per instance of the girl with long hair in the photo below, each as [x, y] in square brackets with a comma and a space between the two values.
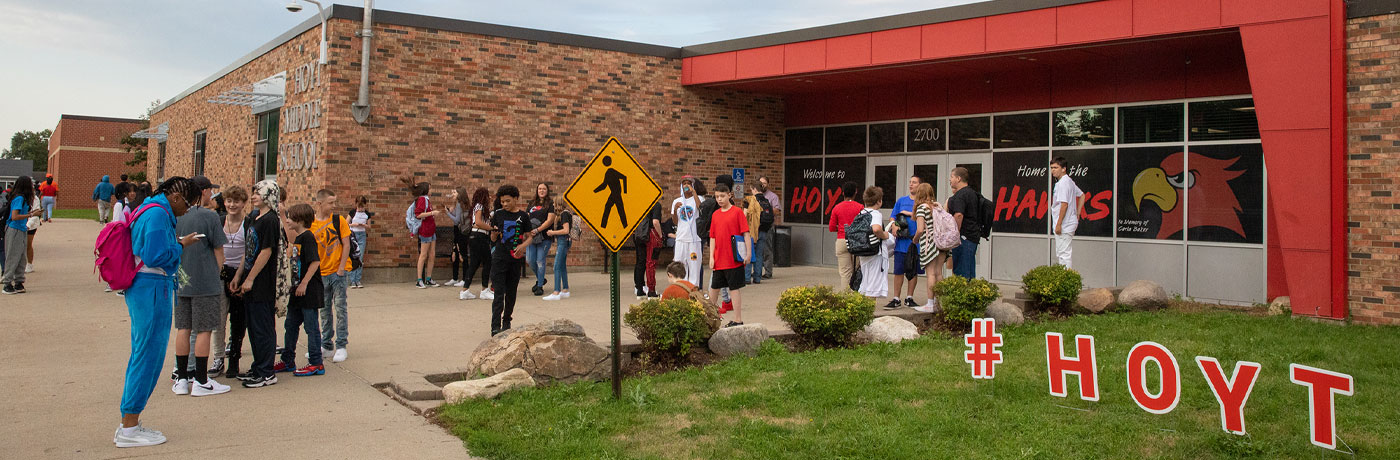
[926, 206]
[479, 246]
[20, 205]
[560, 233]
[541, 210]
[460, 213]
[359, 230]
[427, 232]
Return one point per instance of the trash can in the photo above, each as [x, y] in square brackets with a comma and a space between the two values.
[782, 246]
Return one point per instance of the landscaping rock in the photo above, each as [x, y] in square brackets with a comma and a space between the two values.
[550, 351]
[1281, 305]
[1005, 313]
[1143, 295]
[488, 387]
[1096, 300]
[737, 340]
[888, 329]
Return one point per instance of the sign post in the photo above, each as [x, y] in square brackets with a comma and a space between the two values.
[610, 188]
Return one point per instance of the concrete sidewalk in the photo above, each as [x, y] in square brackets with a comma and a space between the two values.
[64, 346]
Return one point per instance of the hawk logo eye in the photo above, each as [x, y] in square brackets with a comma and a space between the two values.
[1183, 180]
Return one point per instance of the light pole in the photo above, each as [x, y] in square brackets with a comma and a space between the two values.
[321, 12]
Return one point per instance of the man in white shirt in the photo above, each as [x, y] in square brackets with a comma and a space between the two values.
[688, 247]
[1064, 210]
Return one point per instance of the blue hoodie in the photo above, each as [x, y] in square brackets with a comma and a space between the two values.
[153, 236]
[104, 190]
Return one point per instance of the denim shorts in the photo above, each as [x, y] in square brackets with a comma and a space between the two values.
[427, 239]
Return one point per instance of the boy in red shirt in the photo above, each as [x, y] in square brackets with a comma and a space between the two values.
[728, 222]
[842, 215]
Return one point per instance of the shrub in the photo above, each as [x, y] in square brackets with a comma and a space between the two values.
[1054, 287]
[669, 328]
[823, 316]
[963, 299]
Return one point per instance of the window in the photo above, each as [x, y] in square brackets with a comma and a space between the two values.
[160, 161]
[970, 133]
[803, 142]
[265, 148]
[1223, 120]
[1023, 130]
[197, 164]
[845, 139]
[927, 136]
[887, 137]
[1083, 127]
[1150, 123]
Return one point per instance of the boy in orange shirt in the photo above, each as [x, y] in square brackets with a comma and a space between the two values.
[679, 288]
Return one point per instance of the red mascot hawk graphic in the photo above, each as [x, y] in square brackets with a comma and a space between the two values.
[1213, 202]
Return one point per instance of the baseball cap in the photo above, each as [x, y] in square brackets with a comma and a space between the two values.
[201, 183]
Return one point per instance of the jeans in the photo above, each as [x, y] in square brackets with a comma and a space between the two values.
[505, 281]
[356, 274]
[767, 253]
[262, 333]
[561, 264]
[965, 259]
[480, 258]
[149, 301]
[48, 203]
[759, 247]
[303, 318]
[334, 298]
[535, 255]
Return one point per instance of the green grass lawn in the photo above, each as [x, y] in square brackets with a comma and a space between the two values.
[79, 213]
[917, 400]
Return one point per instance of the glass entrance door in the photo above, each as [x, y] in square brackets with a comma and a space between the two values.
[979, 168]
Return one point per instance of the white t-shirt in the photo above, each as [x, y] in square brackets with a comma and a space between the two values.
[360, 218]
[686, 214]
[1066, 193]
[873, 280]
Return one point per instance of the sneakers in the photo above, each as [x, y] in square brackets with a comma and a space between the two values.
[19, 287]
[430, 283]
[537, 290]
[563, 295]
[107, 289]
[121, 293]
[451, 282]
[247, 376]
[309, 370]
[641, 294]
[726, 307]
[208, 388]
[340, 355]
[554, 296]
[460, 283]
[357, 286]
[734, 323]
[216, 367]
[894, 304]
[9, 289]
[653, 295]
[29, 268]
[259, 382]
[181, 387]
[137, 436]
[283, 366]
[488, 294]
[465, 295]
[909, 302]
[420, 284]
[930, 307]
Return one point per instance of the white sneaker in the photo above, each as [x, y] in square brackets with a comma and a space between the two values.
[209, 387]
[140, 437]
[29, 268]
[107, 289]
[924, 309]
[450, 283]
[552, 297]
[181, 387]
[340, 355]
[563, 295]
[488, 294]
[466, 295]
[460, 283]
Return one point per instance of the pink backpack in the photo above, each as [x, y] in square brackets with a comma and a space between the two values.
[944, 230]
[116, 262]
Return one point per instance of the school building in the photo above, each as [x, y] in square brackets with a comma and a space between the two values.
[1235, 150]
[84, 148]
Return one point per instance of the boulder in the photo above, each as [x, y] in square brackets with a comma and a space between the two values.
[1096, 300]
[1005, 313]
[737, 340]
[888, 329]
[1143, 295]
[487, 388]
[550, 351]
[1281, 305]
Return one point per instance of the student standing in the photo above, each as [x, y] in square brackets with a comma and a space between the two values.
[1064, 210]
[873, 281]
[198, 303]
[307, 299]
[460, 214]
[686, 209]
[359, 230]
[905, 269]
[257, 281]
[841, 215]
[752, 212]
[21, 208]
[479, 245]
[777, 203]
[48, 193]
[926, 213]
[542, 216]
[149, 301]
[427, 233]
[727, 223]
[964, 205]
[235, 228]
[563, 227]
[646, 240]
[332, 233]
[512, 229]
[102, 195]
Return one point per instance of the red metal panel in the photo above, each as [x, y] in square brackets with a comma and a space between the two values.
[1095, 21]
[956, 38]
[687, 65]
[927, 99]
[848, 51]
[803, 109]
[759, 62]
[1027, 29]
[888, 102]
[1088, 83]
[712, 67]
[969, 95]
[897, 45]
[846, 106]
[1289, 72]
[1298, 162]
[1308, 290]
[1153, 17]
[1021, 91]
[1236, 12]
[1276, 271]
[1217, 72]
[1151, 77]
[804, 57]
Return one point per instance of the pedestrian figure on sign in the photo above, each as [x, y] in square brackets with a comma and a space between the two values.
[616, 183]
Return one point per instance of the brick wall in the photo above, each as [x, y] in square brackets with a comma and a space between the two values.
[82, 150]
[1373, 148]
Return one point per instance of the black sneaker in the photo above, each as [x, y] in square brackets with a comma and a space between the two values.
[893, 305]
[9, 289]
[260, 382]
[429, 282]
[216, 366]
[419, 284]
[537, 290]
[734, 323]
[19, 287]
[247, 376]
[653, 294]
[909, 302]
[641, 294]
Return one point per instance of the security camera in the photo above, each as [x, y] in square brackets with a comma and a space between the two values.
[294, 6]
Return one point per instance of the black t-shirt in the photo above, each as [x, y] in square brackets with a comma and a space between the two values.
[565, 217]
[540, 213]
[707, 211]
[264, 235]
[512, 227]
[308, 258]
[967, 202]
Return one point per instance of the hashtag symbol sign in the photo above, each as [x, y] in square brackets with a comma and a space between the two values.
[982, 351]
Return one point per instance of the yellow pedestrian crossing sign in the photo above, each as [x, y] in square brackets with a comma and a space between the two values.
[613, 194]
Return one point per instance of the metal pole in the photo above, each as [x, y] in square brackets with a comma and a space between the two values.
[616, 334]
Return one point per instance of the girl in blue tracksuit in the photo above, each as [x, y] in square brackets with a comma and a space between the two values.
[149, 301]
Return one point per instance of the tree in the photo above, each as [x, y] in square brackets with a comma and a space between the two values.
[137, 147]
[30, 145]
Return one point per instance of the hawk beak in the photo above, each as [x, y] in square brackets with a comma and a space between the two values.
[1152, 185]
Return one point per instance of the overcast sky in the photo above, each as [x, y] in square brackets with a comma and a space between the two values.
[112, 58]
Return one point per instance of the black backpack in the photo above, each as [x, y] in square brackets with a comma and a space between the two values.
[356, 254]
[641, 234]
[860, 240]
[987, 212]
[765, 217]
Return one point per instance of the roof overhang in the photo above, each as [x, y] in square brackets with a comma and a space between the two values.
[159, 133]
[267, 94]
